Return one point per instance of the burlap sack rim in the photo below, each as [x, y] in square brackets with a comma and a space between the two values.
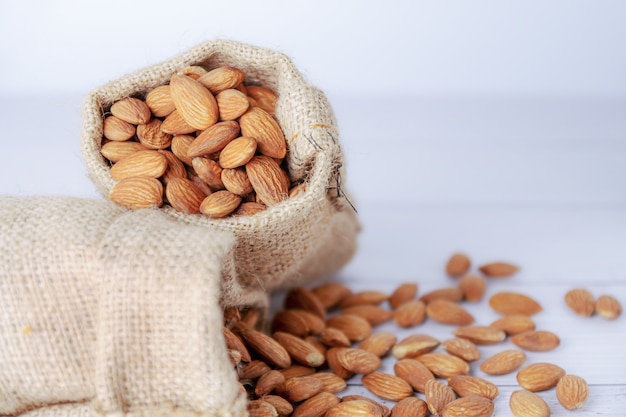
[317, 178]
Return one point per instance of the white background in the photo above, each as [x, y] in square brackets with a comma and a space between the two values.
[496, 128]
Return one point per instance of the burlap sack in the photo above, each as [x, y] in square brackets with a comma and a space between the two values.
[303, 238]
[113, 312]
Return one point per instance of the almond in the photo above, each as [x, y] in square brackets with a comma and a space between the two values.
[332, 359]
[536, 340]
[183, 195]
[194, 102]
[356, 408]
[304, 299]
[410, 407]
[282, 406]
[290, 321]
[414, 346]
[410, 314]
[268, 382]
[260, 408]
[249, 209]
[237, 152]
[375, 315]
[253, 370]
[528, 404]
[404, 293]
[208, 171]
[175, 169]
[231, 104]
[415, 373]
[131, 110]
[159, 101]
[465, 385]
[219, 204]
[222, 78]
[382, 409]
[354, 327]
[148, 163]
[317, 344]
[300, 351]
[581, 301]
[608, 307]
[448, 312]
[269, 181]
[174, 124]
[193, 71]
[180, 145]
[449, 293]
[117, 129]
[472, 287]
[259, 124]
[317, 405]
[513, 324]
[358, 361]
[234, 342]
[462, 348]
[572, 392]
[236, 181]
[507, 302]
[503, 362]
[379, 343]
[299, 388]
[334, 338]
[330, 294]
[297, 371]
[331, 382]
[481, 335]
[386, 386]
[213, 139]
[266, 347]
[444, 365]
[114, 151]
[151, 136]
[539, 376]
[498, 269]
[297, 189]
[137, 192]
[458, 264]
[470, 406]
[438, 395]
[364, 297]
[263, 97]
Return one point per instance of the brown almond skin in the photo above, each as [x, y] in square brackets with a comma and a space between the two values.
[137, 192]
[194, 102]
[572, 392]
[444, 365]
[473, 287]
[536, 340]
[438, 395]
[237, 152]
[174, 124]
[290, 321]
[213, 139]
[410, 407]
[508, 302]
[317, 405]
[462, 348]
[253, 370]
[414, 372]
[151, 136]
[449, 293]
[332, 383]
[503, 362]
[268, 348]
[458, 264]
[259, 124]
[282, 406]
[160, 102]
[332, 359]
[332, 337]
[404, 293]
[268, 382]
[358, 361]
[379, 343]
[354, 327]
[231, 103]
[513, 324]
[236, 181]
[375, 315]
[148, 163]
[580, 301]
[465, 385]
[302, 298]
[331, 294]
[219, 204]
[208, 171]
[269, 181]
[481, 335]
[176, 169]
[498, 269]
[131, 110]
[414, 345]
[410, 314]
[114, 151]
[117, 129]
[263, 97]
[183, 195]
[386, 386]
[540, 376]
[222, 78]
[528, 404]
[608, 307]
[356, 408]
[299, 388]
[369, 297]
[448, 312]
[300, 351]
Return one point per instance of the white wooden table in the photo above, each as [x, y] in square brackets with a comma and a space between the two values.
[538, 182]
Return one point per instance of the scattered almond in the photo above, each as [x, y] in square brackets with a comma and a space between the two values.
[331, 294]
[508, 302]
[581, 301]
[299, 388]
[410, 314]
[528, 404]
[539, 376]
[137, 192]
[387, 386]
[415, 373]
[438, 396]
[356, 408]
[536, 340]
[481, 335]
[503, 362]
[498, 269]
[363, 297]
[513, 324]
[465, 385]
[410, 407]
[414, 346]
[300, 351]
[444, 365]
[469, 406]
[404, 293]
[608, 307]
[458, 264]
[463, 348]
[317, 405]
[448, 312]
[379, 343]
[472, 287]
[572, 392]
[450, 293]
[374, 314]
[354, 327]
[358, 361]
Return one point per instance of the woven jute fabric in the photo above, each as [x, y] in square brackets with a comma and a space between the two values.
[112, 312]
[287, 243]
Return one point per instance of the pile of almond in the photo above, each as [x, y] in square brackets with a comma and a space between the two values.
[325, 335]
[204, 143]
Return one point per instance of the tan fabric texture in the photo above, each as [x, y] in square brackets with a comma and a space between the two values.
[112, 312]
[284, 244]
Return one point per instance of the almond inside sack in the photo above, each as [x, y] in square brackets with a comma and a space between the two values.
[297, 240]
[102, 314]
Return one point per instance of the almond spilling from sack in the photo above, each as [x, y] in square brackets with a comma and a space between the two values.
[205, 132]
